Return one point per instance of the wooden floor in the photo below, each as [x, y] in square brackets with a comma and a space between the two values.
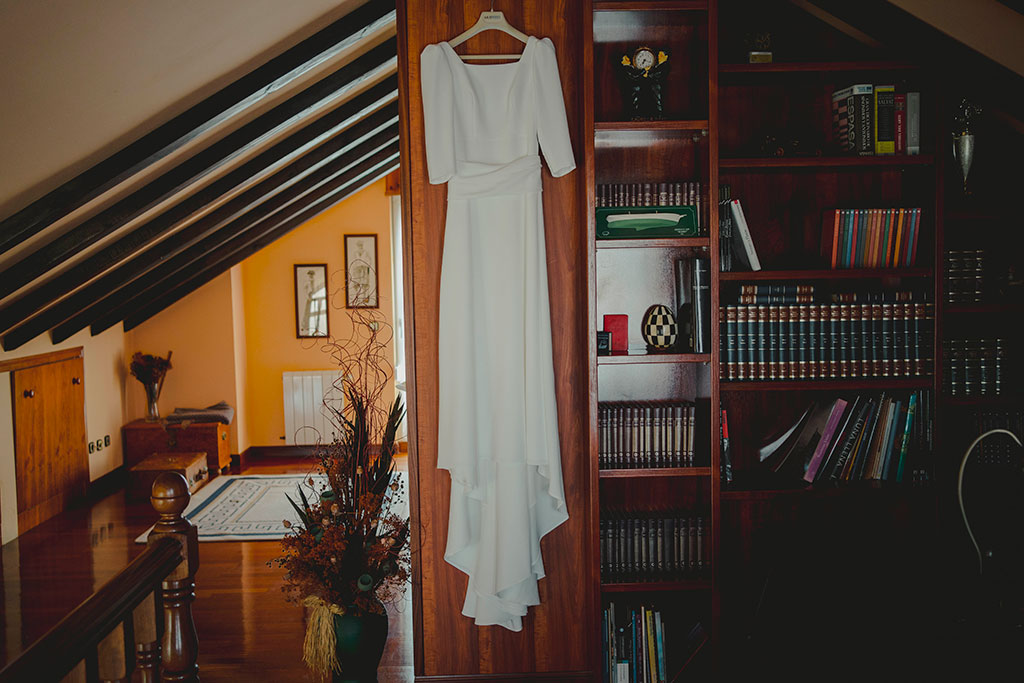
[247, 632]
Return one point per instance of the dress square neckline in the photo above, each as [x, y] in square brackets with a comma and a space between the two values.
[530, 40]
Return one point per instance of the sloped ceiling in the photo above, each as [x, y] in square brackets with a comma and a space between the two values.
[267, 143]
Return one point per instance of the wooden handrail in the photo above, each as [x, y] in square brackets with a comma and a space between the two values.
[98, 637]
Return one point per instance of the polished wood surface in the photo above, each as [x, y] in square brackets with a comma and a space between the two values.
[51, 465]
[12, 364]
[143, 439]
[556, 635]
[247, 631]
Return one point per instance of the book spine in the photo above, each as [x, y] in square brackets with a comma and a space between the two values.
[762, 342]
[742, 361]
[917, 354]
[844, 340]
[803, 342]
[813, 341]
[885, 119]
[887, 340]
[774, 352]
[827, 436]
[835, 341]
[905, 444]
[782, 335]
[877, 340]
[863, 96]
[854, 364]
[864, 321]
[900, 120]
[907, 335]
[913, 123]
[731, 343]
[702, 305]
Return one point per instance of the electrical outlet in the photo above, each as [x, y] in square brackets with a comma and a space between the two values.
[106, 441]
[99, 445]
[92, 447]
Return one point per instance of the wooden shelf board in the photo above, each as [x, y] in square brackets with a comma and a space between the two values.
[696, 124]
[620, 358]
[742, 163]
[640, 5]
[854, 489]
[982, 308]
[652, 586]
[854, 384]
[972, 216]
[625, 473]
[655, 242]
[1000, 400]
[815, 67]
[826, 274]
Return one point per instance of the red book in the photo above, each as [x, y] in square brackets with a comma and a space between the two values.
[618, 325]
[835, 239]
[853, 239]
[901, 123]
[914, 232]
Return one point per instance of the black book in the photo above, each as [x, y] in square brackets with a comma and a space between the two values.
[701, 305]
[851, 441]
[846, 423]
[684, 273]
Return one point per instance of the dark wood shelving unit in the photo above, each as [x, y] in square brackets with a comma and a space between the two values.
[645, 5]
[656, 243]
[652, 472]
[853, 384]
[826, 274]
[984, 401]
[816, 67]
[864, 489]
[619, 358]
[895, 160]
[657, 586]
[694, 125]
[983, 309]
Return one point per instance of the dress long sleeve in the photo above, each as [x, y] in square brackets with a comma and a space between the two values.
[438, 116]
[552, 128]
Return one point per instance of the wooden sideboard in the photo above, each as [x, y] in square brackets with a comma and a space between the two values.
[142, 439]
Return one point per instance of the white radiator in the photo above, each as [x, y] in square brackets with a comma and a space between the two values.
[306, 418]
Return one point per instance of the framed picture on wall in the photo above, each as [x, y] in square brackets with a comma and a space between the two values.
[310, 300]
[361, 271]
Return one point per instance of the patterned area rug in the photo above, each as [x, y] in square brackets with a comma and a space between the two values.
[250, 507]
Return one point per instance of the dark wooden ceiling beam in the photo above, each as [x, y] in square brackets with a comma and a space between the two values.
[305, 105]
[98, 311]
[228, 102]
[112, 310]
[200, 278]
[341, 135]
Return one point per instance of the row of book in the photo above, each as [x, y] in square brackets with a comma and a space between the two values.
[634, 645]
[872, 238]
[826, 341]
[966, 272]
[642, 434]
[998, 449]
[653, 546]
[866, 438]
[975, 367]
[690, 193]
[870, 119]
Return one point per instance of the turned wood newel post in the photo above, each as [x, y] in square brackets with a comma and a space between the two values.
[180, 648]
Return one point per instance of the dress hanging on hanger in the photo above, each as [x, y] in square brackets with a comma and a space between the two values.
[497, 417]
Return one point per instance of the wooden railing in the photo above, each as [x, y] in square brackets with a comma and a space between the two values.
[141, 619]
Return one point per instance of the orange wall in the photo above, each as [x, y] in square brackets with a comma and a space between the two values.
[200, 331]
[268, 293]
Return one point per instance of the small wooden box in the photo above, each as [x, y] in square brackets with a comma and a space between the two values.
[142, 439]
[192, 466]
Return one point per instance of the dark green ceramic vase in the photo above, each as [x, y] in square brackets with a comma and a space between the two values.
[360, 642]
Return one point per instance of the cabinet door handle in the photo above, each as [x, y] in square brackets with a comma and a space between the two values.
[76, 380]
[29, 393]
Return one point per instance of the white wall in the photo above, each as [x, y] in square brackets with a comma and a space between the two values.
[82, 79]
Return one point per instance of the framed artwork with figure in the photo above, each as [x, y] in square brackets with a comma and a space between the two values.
[310, 300]
[361, 271]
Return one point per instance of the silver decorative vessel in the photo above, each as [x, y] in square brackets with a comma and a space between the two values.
[963, 152]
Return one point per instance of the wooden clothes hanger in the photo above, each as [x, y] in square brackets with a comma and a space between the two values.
[489, 21]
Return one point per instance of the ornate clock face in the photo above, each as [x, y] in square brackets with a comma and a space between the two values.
[643, 58]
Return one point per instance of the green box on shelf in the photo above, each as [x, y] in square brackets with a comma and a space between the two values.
[640, 222]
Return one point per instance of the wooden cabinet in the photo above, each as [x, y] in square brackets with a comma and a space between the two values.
[142, 439]
[51, 460]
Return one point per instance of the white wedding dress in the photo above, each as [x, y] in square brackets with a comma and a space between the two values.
[498, 425]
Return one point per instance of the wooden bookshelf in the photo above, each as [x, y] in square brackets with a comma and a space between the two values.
[656, 243]
[833, 385]
[816, 67]
[894, 160]
[652, 125]
[838, 274]
[657, 586]
[648, 5]
[655, 472]
[620, 358]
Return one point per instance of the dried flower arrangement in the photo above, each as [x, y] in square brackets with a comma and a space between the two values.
[148, 368]
[350, 552]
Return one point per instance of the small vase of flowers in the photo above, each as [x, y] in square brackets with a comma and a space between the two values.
[150, 370]
[348, 554]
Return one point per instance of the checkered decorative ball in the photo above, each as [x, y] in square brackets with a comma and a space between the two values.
[660, 329]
